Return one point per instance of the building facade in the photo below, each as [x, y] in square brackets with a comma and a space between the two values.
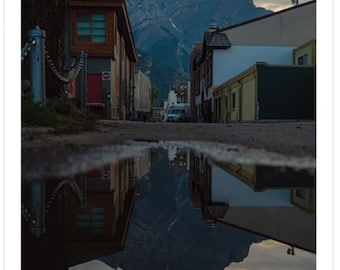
[142, 95]
[271, 39]
[256, 95]
[102, 30]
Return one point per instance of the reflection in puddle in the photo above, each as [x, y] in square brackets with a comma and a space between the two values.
[44, 163]
[163, 208]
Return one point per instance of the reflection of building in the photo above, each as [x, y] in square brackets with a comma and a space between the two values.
[141, 165]
[100, 227]
[259, 178]
[200, 189]
[178, 157]
[276, 203]
[81, 218]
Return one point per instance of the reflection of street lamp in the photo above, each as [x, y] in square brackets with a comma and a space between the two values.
[291, 251]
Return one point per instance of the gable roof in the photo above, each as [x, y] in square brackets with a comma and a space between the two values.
[213, 40]
[216, 40]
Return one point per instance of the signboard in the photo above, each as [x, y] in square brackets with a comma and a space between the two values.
[106, 75]
[106, 175]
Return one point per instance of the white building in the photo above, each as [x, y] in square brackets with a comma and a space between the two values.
[142, 93]
[227, 52]
[172, 98]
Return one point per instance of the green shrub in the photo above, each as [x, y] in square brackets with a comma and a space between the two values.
[63, 115]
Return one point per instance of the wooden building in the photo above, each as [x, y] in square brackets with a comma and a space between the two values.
[102, 30]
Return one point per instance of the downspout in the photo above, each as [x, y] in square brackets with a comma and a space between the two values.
[120, 81]
[67, 47]
[257, 105]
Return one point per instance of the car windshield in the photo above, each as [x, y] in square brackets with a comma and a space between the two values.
[175, 111]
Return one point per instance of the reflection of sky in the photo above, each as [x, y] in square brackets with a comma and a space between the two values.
[270, 254]
[229, 189]
[276, 5]
[91, 265]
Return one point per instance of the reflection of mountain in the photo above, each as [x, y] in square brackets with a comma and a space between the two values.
[166, 232]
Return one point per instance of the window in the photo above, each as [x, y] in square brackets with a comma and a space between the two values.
[233, 101]
[91, 28]
[91, 222]
[301, 193]
[302, 60]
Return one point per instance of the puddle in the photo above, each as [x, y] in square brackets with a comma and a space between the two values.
[55, 162]
[168, 205]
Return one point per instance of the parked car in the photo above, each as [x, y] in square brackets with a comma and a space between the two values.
[179, 113]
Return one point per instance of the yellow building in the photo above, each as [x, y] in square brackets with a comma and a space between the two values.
[267, 92]
[305, 54]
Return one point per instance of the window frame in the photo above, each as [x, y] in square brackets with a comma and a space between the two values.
[233, 101]
[91, 28]
[303, 60]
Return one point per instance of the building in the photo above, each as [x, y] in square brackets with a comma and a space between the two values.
[267, 92]
[202, 69]
[194, 81]
[102, 30]
[142, 95]
[271, 39]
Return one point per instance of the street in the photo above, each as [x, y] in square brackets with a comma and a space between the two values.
[288, 138]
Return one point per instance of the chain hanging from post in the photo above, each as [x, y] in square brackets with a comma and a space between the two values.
[27, 48]
[75, 188]
[28, 217]
[75, 72]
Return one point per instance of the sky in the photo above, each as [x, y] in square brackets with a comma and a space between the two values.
[276, 5]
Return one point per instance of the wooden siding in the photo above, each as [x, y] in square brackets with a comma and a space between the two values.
[93, 49]
[249, 100]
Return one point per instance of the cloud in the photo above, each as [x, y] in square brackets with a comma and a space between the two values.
[276, 5]
[92, 265]
[270, 254]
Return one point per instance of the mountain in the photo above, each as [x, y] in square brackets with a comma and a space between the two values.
[167, 30]
[167, 232]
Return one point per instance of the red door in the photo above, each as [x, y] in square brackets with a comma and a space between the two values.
[94, 95]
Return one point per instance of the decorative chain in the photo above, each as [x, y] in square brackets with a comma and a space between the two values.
[75, 188]
[74, 75]
[27, 48]
[27, 216]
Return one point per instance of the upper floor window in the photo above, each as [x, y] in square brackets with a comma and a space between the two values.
[91, 28]
[302, 60]
[233, 101]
